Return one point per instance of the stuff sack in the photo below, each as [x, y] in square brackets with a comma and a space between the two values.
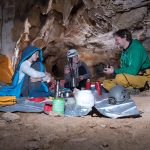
[7, 100]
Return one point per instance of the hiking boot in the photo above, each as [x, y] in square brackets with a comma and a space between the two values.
[148, 84]
[133, 91]
[145, 88]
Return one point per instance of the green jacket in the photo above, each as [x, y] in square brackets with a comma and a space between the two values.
[133, 59]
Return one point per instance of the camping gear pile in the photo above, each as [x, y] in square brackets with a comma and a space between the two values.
[115, 104]
[69, 102]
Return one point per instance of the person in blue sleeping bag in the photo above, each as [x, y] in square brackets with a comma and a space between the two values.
[30, 78]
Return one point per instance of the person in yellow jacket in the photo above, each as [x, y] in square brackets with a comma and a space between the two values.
[134, 68]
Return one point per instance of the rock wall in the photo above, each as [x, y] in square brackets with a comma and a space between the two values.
[7, 17]
[87, 25]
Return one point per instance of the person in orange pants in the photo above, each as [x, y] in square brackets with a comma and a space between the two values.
[134, 68]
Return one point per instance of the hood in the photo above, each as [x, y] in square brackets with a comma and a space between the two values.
[28, 52]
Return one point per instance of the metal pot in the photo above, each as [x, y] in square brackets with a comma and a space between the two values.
[67, 94]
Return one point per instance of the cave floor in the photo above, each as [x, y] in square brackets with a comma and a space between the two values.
[37, 131]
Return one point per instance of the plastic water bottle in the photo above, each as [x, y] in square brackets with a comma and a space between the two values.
[57, 88]
[88, 84]
[98, 88]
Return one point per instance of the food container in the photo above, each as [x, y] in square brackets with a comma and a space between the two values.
[58, 105]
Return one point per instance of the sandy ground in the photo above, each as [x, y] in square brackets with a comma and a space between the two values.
[38, 131]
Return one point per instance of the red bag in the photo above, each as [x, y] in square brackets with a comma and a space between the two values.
[37, 99]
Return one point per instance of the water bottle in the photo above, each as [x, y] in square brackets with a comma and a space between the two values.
[73, 82]
[98, 88]
[88, 84]
[57, 88]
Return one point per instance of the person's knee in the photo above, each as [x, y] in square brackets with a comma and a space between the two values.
[108, 84]
[105, 82]
[121, 80]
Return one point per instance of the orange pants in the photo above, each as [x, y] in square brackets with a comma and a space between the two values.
[127, 80]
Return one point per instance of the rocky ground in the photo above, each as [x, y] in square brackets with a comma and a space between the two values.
[38, 131]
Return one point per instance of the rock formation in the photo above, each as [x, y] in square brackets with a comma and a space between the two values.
[57, 25]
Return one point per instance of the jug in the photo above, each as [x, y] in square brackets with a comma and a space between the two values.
[84, 98]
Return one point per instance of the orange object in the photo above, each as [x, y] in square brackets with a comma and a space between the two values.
[7, 100]
[6, 69]
[98, 88]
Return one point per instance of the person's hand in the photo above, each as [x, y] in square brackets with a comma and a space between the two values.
[52, 84]
[48, 74]
[67, 70]
[49, 77]
[32, 79]
[109, 70]
[81, 78]
[62, 83]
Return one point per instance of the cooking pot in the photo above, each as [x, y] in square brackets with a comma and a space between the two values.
[67, 94]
